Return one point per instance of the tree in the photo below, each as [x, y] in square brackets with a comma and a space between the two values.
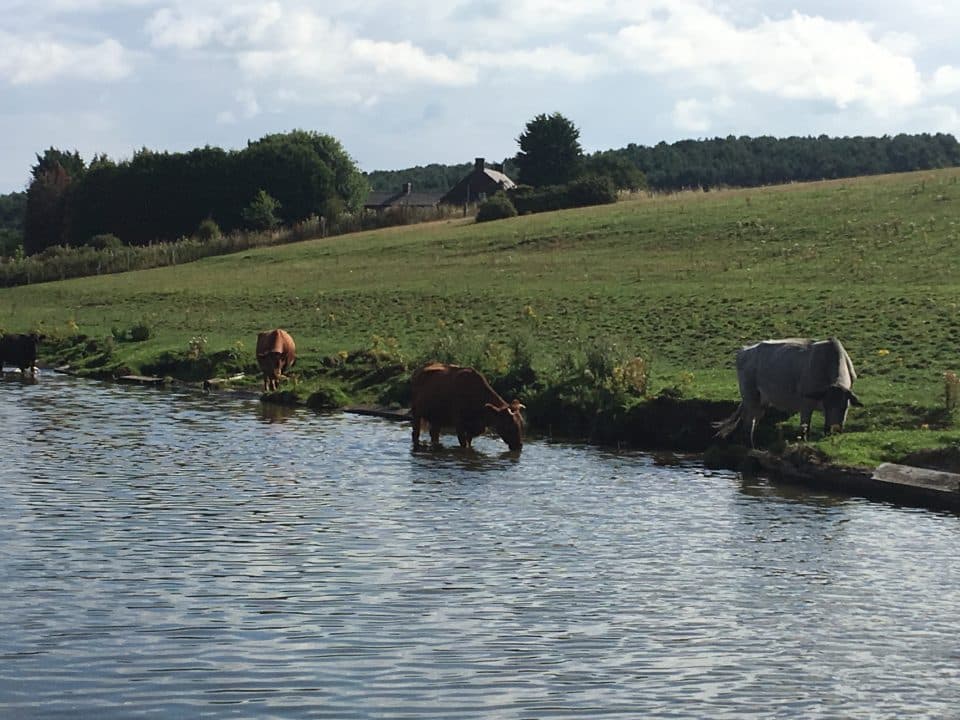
[46, 216]
[624, 174]
[72, 163]
[550, 152]
[261, 213]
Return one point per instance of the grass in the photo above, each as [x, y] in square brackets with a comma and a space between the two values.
[682, 279]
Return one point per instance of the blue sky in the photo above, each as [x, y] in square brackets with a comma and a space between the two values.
[415, 82]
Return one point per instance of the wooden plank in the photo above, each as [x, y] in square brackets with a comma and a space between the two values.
[910, 476]
[140, 380]
[377, 411]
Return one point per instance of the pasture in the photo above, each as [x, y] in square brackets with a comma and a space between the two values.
[682, 280]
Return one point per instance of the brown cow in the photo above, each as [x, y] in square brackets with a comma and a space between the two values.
[20, 350]
[460, 397]
[276, 353]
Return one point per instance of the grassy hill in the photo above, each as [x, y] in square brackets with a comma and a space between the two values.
[682, 279]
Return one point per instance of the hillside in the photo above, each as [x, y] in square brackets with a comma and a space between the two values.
[683, 279]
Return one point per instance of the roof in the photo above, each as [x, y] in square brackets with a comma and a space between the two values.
[399, 198]
[499, 178]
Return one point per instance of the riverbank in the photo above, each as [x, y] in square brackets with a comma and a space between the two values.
[929, 478]
[603, 321]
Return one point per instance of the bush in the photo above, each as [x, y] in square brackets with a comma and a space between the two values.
[498, 207]
[261, 213]
[594, 387]
[105, 241]
[592, 190]
[208, 230]
[140, 332]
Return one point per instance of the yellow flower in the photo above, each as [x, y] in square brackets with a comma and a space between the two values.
[883, 352]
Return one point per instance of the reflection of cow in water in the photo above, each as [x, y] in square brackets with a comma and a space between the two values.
[445, 396]
[20, 351]
[793, 376]
[276, 353]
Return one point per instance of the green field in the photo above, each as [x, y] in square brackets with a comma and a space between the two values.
[683, 280]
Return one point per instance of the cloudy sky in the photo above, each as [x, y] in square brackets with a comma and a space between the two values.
[410, 82]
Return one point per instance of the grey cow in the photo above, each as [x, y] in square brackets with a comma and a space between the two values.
[793, 375]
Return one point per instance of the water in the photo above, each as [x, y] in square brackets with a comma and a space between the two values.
[176, 555]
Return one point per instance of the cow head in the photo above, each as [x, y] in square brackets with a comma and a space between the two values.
[836, 401]
[508, 422]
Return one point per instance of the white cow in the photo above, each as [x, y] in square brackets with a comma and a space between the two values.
[793, 375]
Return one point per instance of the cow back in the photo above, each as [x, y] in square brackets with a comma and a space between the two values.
[279, 342]
[786, 372]
[449, 389]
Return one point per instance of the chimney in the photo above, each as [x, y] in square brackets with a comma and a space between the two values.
[479, 164]
[407, 188]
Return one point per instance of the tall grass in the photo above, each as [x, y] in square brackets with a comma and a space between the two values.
[63, 262]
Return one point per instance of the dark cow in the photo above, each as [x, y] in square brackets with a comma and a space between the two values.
[276, 353]
[794, 375]
[20, 350]
[445, 396]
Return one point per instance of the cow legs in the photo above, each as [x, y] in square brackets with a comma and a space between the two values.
[434, 435]
[415, 434]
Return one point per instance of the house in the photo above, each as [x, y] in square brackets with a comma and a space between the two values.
[380, 201]
[481, 183]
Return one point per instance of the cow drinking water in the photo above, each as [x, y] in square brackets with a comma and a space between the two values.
[276, 353]
[461, 398]
[794, 375]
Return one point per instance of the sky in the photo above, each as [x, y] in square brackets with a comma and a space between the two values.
[413, 82]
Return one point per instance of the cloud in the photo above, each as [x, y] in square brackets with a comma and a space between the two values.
[695, 116]
[551, 60]
[411, 63]
[798, 58]
[29, 61]
[276, 42]
[945, 81]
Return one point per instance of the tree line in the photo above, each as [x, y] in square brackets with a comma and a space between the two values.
[279, 179]
[290, 177]
[749, 162]
[708, 163]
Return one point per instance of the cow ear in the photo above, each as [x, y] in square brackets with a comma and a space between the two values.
[854, 400]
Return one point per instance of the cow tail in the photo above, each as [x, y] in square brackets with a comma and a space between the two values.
[728, 425]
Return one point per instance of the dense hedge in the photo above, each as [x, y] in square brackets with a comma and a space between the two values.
[579, 193]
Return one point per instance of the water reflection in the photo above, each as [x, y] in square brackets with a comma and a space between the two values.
[274, 413]
[187, 555]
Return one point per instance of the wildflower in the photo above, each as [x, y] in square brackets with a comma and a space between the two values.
[883, 352]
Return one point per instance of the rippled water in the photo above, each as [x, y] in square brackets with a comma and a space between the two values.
[185, 556]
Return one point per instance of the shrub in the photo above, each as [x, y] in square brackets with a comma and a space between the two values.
[208, 230]
[593, 387]
[140, 332]
[498, 207]
[105, 241]
[261, 213]
[591, 190]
